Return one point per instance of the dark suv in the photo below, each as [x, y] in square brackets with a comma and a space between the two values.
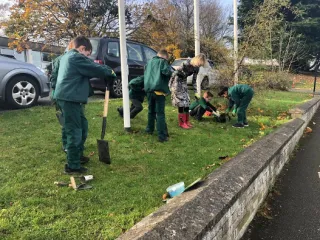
[107, 51]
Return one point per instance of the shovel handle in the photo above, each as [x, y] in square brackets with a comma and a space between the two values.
[106, 102]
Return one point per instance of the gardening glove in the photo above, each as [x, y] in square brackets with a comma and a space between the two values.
[234, 112]
[218, 113]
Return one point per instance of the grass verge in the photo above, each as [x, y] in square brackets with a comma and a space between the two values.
[32, 207]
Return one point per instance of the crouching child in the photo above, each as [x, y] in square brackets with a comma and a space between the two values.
[200, 106]
[136, 95]
[239, 97]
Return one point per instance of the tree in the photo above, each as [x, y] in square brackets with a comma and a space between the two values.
[57, 21]
[303, 18]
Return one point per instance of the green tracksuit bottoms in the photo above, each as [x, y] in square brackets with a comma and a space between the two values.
[75, 130]
[244, 103]
[156, 113]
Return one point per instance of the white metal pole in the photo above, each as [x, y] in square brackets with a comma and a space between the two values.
[196, 27]
[235, 45]
[124, 65]
[197, 40]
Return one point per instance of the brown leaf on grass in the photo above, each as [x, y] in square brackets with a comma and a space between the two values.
[308, 130]
[282, 116]
[209, 166]
[91, 154]
[242, 140]
[262, 126]
[165, 196]
[260, 110]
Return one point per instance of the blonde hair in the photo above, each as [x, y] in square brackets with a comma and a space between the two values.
[199, 60]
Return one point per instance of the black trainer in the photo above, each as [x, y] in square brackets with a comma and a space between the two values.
[68, 170]
[163, 139]
[246, 124]
[238, 125]
[84, 160]
[120, 112]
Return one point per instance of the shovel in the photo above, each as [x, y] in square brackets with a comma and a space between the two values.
[103, 145]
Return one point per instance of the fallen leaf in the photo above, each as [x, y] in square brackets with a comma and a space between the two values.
[242, 140]
[308, 130]
[165, 196]
[223, 157]
[262, 126]
[91, 154]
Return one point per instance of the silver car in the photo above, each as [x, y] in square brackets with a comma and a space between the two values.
[21, 84]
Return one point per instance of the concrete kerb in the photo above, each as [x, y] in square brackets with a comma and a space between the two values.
[225, 204]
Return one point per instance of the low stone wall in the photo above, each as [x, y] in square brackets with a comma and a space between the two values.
[225, 204]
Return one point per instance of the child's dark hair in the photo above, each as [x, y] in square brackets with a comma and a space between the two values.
[82, 41]
[207, 94]
[163, 53]
[222, 91]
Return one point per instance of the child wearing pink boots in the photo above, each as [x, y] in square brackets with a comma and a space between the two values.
[179, 89]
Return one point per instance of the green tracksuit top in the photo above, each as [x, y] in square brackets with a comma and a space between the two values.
[157, 75]
[202, 102]
[55, 70]
[237, 92]
[136, 89]
[75, 71]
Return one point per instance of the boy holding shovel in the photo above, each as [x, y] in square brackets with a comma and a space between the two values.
[72, 91]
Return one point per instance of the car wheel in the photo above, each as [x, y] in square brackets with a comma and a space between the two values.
[205, 83]
[116, 88]
[22, 92]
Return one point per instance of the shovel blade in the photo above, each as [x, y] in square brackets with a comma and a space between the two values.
[103, 149]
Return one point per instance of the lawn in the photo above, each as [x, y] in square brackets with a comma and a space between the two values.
[32, 207]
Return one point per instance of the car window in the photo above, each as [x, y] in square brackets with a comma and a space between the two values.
[113, 49]
[48, 57]
[149, 53]
[36, 58]
[178, 62]
[134, 52]
[95, 44]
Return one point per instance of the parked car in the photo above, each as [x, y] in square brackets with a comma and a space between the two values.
[21, 84]
[107, 51]
[208, 74]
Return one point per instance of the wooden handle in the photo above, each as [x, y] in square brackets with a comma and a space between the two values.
[106, 102]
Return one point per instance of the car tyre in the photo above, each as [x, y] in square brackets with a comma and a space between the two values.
[22, 92]
[116, 88]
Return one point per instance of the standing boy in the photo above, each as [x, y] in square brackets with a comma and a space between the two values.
[200, 106]
[72, 91]
[156, 78]
[239, 96]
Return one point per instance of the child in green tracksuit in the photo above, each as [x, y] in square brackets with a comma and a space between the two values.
[156, 78]
[71, 92]
[136, 95]
[200, 106]
[53, 82]
[239, 97]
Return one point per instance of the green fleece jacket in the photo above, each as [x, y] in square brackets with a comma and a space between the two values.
[75, 71]
[136, 88]
[205, 105]
[157, 75]
[237, 92]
